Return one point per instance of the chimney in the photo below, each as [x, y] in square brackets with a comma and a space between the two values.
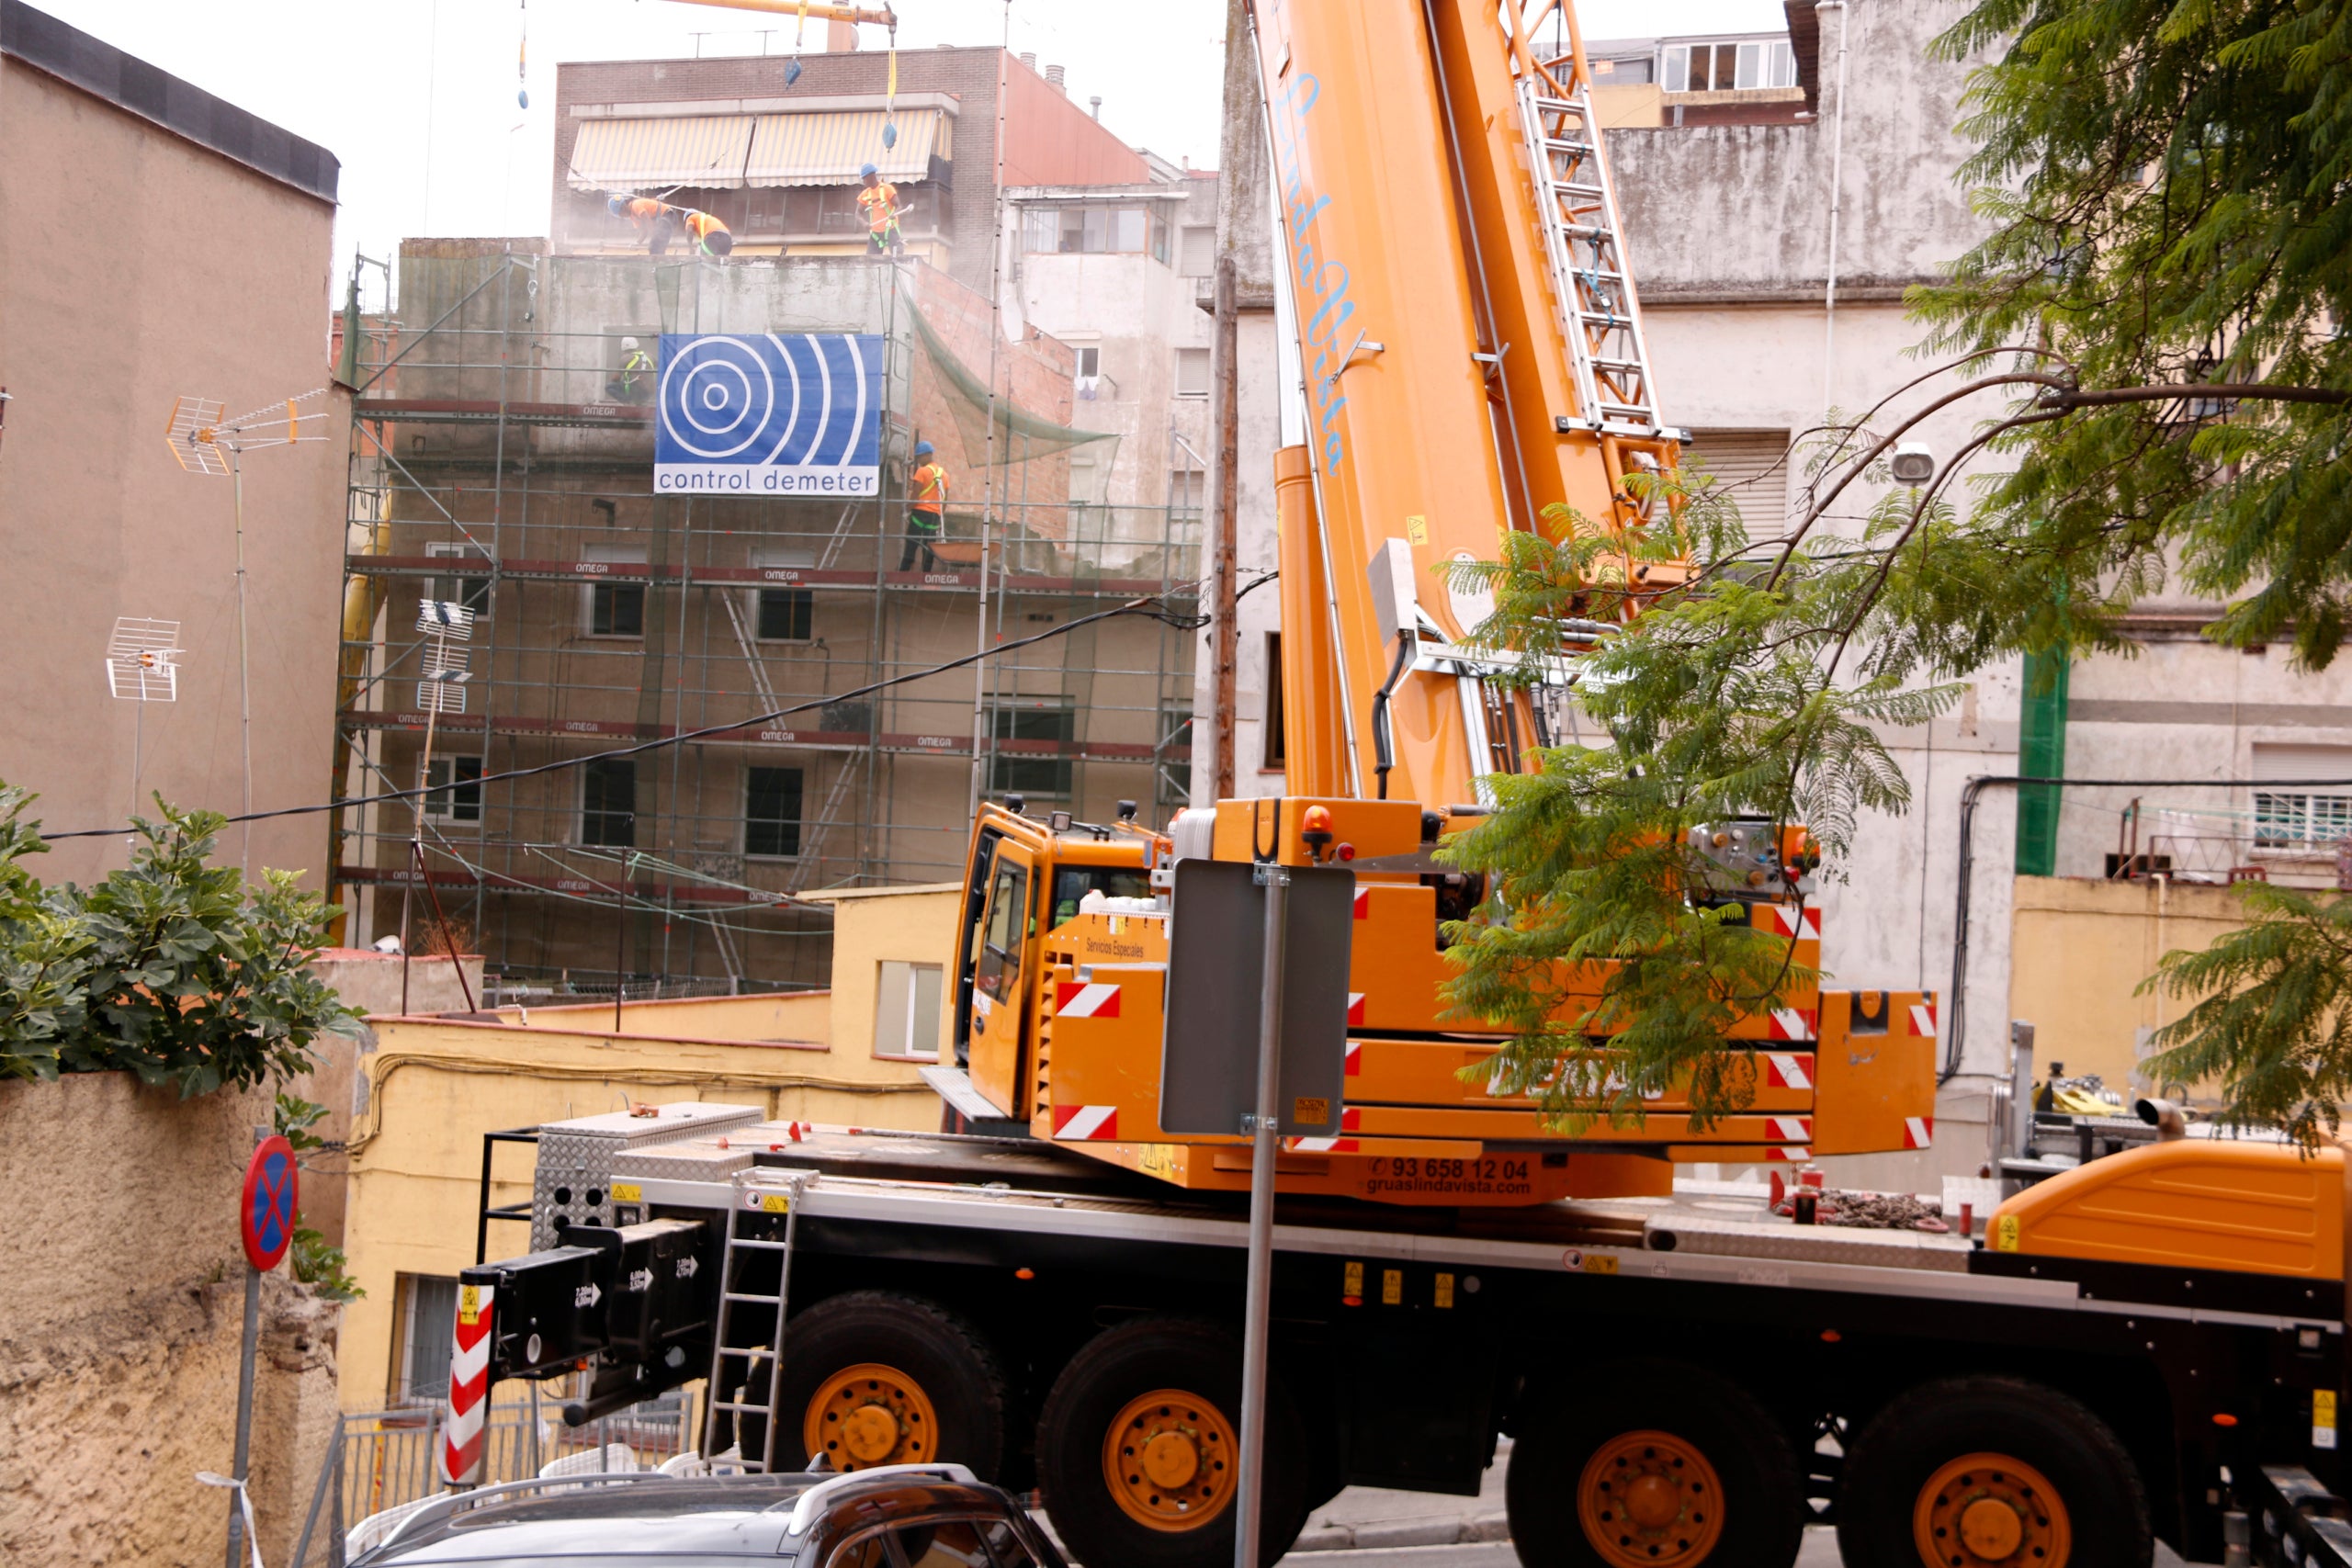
[1054, 74]
[841, 37]
[1096, 105]
[1030, 61]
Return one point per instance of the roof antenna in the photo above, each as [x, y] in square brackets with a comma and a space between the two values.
[140, 669]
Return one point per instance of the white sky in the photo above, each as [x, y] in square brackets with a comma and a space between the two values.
[417, 98]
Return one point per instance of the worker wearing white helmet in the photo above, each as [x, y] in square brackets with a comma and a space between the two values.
[635, 381]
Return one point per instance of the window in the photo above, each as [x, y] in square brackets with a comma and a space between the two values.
[772, 811]
[1721, 67]
[428, 1320]
[1084, 229]
[1073, 882]
[1086, 378]
[2301, 818]
[455, 783]
[1185, 489]
[906, 1010]
[608, 801]
[1749, 468]
[1033, 769]
[949, 1543]
[1277, 750]
[1005, 1543]
[1191, 372]
[616, 609]
[784, 615]
[1007, 929]
[1199, 252]
[471, 592]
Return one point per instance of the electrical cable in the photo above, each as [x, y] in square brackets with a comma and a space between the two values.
[1152, 606]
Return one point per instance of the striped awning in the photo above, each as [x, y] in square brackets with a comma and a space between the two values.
[827, 149]
[702, 151]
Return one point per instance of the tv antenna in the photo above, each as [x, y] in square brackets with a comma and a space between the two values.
[448, 628]
[203, 442]
[142, 667]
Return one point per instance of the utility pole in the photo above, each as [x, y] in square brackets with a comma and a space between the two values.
[1243, 279]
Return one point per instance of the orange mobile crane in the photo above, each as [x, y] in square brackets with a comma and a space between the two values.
[1472, 361]
[2140, 1346]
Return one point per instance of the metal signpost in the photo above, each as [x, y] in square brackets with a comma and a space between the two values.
[1255, 1040]
[265, 1224]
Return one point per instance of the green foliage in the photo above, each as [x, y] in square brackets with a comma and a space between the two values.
[2166, 182]
[2272, 1018]
[315, 1261]
[1728, 696]
[171, 968]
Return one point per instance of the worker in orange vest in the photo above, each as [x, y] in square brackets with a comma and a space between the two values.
[926, 501]
[879, 202]
[658, 223]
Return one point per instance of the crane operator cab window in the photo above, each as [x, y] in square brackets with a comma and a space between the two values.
[1005, 935]
[1073, 882]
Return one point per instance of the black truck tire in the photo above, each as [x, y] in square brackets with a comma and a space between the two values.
[1973, 1469]
[1137, 1450]
[882, 1378]
[1652, 1462]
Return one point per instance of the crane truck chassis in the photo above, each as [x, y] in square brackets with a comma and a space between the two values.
[2140, 1348]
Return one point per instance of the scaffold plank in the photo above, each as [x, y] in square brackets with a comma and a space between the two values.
[757, 577]
[773, 735]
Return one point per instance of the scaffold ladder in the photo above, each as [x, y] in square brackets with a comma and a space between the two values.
[723, 1395]
[812, 846]
[1577, 207]
[750, 645]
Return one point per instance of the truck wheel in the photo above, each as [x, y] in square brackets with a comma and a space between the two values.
[875, 1377]
[1656, 1464]
[1964, 1473]
[1138, 1450]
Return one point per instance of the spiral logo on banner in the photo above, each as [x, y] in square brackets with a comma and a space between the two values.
[772, 414]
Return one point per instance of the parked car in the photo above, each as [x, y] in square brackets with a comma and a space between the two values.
[905, 1515]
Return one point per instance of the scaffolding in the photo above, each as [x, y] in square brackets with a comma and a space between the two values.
[502, 457]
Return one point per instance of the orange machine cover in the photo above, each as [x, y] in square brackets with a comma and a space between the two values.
[2259, 1208]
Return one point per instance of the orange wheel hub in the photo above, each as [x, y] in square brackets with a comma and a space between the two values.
[869, 1415]
[1988, 1510]
[1650, 1500]
[1169, 1461]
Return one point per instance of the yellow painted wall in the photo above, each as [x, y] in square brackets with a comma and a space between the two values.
[1632, 105]
[2079, 950]
[432, 1086]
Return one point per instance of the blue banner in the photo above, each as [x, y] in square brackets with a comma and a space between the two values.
[795, 413]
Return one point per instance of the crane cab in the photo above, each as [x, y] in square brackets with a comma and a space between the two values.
[1027, 879]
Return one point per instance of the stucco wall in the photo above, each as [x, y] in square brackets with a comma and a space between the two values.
[204, 279]
[2081, 949]
[120, 1320]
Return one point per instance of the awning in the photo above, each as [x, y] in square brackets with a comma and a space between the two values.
[827, 149]
[704, 151]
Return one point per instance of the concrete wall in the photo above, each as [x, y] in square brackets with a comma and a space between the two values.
[211, 280]
[121, 1322]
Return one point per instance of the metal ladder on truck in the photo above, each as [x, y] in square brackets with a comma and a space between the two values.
[1577, 207]
[721, 1395]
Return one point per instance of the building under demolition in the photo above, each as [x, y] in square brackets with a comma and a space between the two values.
[693, 709]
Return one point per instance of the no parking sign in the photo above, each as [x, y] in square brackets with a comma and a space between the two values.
[272, 1192]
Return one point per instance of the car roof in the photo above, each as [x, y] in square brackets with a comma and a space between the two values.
[651, 1514]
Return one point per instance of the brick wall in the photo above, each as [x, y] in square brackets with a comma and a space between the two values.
[1057, 140]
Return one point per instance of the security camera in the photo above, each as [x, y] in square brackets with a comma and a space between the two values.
[1913, 464]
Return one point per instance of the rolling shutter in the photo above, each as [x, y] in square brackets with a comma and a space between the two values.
[1748, 466]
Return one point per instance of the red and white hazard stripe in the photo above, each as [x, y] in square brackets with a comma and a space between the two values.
[1792, 1152]
[1363, 903]
[1083, 1123]
[461, 1434]
[1785, 1069]
[1792, 1128]
[1355, 1058]
[1918, 1131]
[1355, 1006]
[1351, 1118]
[1089, 999]
[1324, 1146]
[1923, 1018]
[1780, 920]
[1792, 1023]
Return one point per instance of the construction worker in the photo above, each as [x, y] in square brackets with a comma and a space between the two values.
[926, 501]
[879, 202]
[637, 374]
[658, 223]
